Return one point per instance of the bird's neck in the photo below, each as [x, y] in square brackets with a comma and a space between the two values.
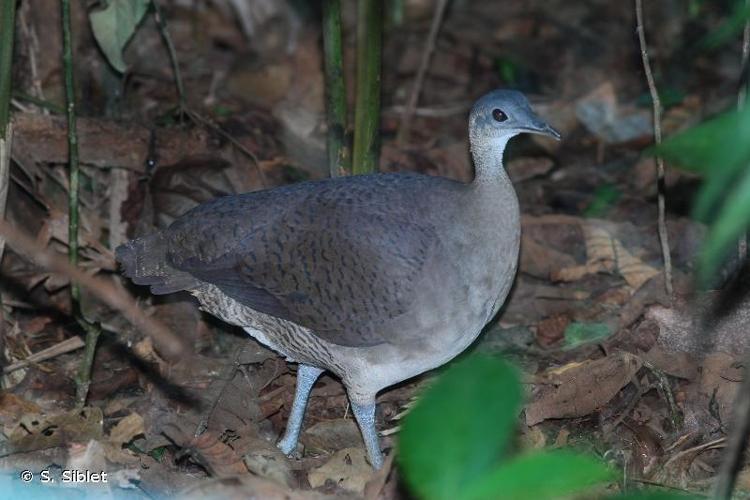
[488, 160]
[491, 182]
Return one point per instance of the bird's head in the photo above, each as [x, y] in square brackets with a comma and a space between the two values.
[502, 114]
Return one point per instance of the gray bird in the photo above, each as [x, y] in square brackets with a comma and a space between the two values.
[375, 278]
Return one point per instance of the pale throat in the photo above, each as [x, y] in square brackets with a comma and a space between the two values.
[487, 154]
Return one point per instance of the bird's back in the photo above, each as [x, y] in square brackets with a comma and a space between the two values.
[340, 257]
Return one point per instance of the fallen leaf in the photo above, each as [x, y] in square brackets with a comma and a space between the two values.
[579, 389]
[266, 460]
[216, 456]
[38, 432]
[347, 468]
[126, 429]
[604, 253]
[331, 435]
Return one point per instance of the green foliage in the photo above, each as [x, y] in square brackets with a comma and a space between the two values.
[114, 26]
[718, 149]
[577, 334]
[730, 28]
[461, 427]
[508, 70]
[540, 475]
[605, 197]
[455, 444]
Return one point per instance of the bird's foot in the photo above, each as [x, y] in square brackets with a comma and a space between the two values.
[287, 444]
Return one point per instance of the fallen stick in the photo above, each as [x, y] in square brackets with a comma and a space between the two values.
[63, 347]
[167, 342]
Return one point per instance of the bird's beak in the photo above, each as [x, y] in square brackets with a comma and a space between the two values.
[548, 130]
[543, 128]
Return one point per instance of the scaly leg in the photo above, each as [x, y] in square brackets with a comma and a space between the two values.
[364, 412]
[306, 377]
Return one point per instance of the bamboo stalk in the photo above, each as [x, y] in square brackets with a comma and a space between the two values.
[367, 113]
[338, 151]
[83, 379]
[7, 32]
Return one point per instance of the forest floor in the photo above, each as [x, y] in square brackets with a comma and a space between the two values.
[612, 365]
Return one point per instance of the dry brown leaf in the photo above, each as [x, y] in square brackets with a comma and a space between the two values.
[126, 429]
[541, 260]
[217, 457]
[265, 460]
[12, 407]
[604, 253]
[534, 438]
[578, 389]
[38, 432]
[328, 436]
[674, 363]
[347, 468]
[720, 380]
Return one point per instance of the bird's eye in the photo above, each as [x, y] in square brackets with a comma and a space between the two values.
[499, 115]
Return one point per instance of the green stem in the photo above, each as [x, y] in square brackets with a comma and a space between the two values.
[338, 151]
[74, 173]
[367, 112]
[41, 103]
[162, 24]
[7, 32]
[83, 380]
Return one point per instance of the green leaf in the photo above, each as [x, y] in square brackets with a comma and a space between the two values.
[577, 334]
[114, 26]
[732, 220]
[720, 150]
[604, 197]
[540, 476]
[712, 148]
[728, 30]
[461, 427]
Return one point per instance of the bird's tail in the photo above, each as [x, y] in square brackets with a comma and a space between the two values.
[144, 260]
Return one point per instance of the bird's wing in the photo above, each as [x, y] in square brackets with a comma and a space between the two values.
[338, 267]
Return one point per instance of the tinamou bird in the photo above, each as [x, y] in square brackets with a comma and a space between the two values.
[375, 278]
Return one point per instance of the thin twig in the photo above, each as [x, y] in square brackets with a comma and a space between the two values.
[168, 343]
[710, 445]
[429, 47]
[161, 23]
[656, 102]
[66, 346]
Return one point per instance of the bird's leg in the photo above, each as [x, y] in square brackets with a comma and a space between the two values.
[306, 377]
[364, 412]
